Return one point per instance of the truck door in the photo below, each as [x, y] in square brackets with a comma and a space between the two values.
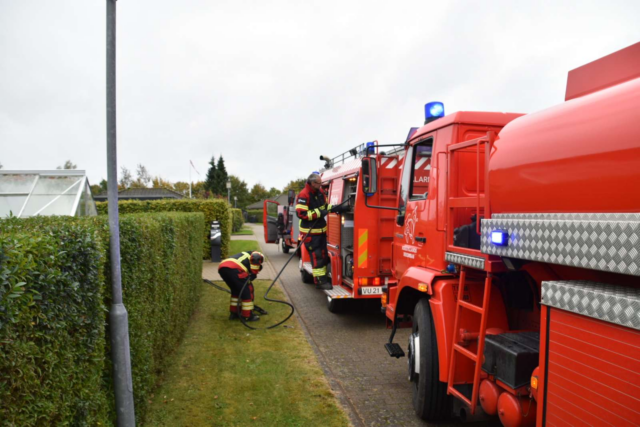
[410, 228]
[270, 221]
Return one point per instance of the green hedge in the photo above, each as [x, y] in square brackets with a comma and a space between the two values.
[54, 296]
[213, 210]
[238, 219]
[257, 213]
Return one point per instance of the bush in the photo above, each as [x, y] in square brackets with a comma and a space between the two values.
[255, 215]
[54, 289]
[213, 210]
[238, 219]
[52, 341]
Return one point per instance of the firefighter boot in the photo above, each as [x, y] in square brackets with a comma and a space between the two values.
[323, 283]
[252, 318]
[233, 316]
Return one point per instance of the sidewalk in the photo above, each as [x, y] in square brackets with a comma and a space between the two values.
[210, 269]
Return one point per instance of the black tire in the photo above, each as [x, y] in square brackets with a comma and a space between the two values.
[335, 305]
[285, 248]
[430, 400]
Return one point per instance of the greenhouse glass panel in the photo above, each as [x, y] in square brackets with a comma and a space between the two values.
[86, 207]
[11, 205]
[59, 192]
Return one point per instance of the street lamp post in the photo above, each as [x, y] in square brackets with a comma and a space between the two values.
[229, 190]
[235, 201]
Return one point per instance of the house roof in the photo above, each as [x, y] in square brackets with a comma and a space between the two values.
[281, 199]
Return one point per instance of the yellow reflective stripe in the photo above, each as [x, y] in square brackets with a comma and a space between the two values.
[329, 207]
[305, 207]
[254, 267]
[314, 230]
[310, 215]
[363, 237]
[239, 261]
[247, 305]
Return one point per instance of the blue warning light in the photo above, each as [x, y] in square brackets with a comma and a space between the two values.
[433, 111]
[500, 238]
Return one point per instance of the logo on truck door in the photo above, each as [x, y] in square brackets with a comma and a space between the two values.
[410, 226]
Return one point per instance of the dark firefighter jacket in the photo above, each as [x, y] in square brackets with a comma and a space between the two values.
[308, 206]
[242, 263]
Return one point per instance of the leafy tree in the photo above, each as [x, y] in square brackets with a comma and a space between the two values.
[199, 191]
[182, 188]
[240, 190]
[143, 179]
[68, 165]
[104, 185]
[258, 192]
[125, 178]
[273, 193]
[96, 189]
[210, 180]
[221, 176]
[158, 182]
[297, 185]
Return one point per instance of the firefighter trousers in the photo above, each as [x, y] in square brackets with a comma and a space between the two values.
[235, 284]
[316, 245]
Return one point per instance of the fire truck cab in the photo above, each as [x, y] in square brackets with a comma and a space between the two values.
[518, 263]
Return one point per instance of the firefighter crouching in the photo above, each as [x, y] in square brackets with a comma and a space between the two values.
[234, 271]
[312, 208]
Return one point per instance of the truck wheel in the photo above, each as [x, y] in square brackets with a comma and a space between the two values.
[335, 305]
[285, 248]
[430, 400]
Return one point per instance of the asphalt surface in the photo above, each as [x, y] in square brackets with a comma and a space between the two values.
[372, 387]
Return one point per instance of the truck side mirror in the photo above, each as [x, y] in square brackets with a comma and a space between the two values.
[369, 176]
[291, 197]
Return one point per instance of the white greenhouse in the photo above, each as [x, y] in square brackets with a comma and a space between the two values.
[58, 192]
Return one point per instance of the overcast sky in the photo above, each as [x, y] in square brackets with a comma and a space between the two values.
[271, 85]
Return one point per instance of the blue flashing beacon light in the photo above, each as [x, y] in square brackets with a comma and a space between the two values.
[500, 238]
[371, 149]
[433, 111]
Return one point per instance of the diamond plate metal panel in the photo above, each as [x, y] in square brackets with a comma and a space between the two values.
[466, 260]
[611, 303]
[597, 241]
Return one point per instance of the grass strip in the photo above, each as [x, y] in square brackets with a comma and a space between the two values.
[224, 374]
[244, 231]
[237, 246]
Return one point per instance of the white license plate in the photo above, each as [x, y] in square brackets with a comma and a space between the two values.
[371, 291]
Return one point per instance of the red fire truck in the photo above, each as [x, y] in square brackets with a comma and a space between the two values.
[358, 241]
[518, 262]
[280, 223]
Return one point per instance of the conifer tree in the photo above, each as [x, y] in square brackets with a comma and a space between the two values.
[210, 180]
[221, 176]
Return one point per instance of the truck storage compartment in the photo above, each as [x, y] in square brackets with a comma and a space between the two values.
[511, 357]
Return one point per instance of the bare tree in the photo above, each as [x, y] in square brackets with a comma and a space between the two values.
[68, 165]
[125, 179]
[143, 178]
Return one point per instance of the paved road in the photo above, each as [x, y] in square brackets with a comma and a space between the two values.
[372, 386]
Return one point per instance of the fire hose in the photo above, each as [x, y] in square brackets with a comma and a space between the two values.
[266, 297]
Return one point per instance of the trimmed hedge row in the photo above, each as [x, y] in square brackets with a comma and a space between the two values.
[54, 295]
[213, 210]
[257, 213]
[238, 219]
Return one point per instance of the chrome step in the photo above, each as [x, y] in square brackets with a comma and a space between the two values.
[338, 292]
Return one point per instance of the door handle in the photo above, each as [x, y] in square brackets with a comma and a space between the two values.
[421, 239]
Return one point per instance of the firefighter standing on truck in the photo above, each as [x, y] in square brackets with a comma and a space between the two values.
[312, 208]
[234, 271]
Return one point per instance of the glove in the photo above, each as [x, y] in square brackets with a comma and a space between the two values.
[340, 208]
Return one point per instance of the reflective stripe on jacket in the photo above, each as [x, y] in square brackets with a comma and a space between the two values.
[309, 203]
[242, 263]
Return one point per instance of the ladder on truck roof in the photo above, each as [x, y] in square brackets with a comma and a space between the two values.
[357, 152]
[469, 258]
